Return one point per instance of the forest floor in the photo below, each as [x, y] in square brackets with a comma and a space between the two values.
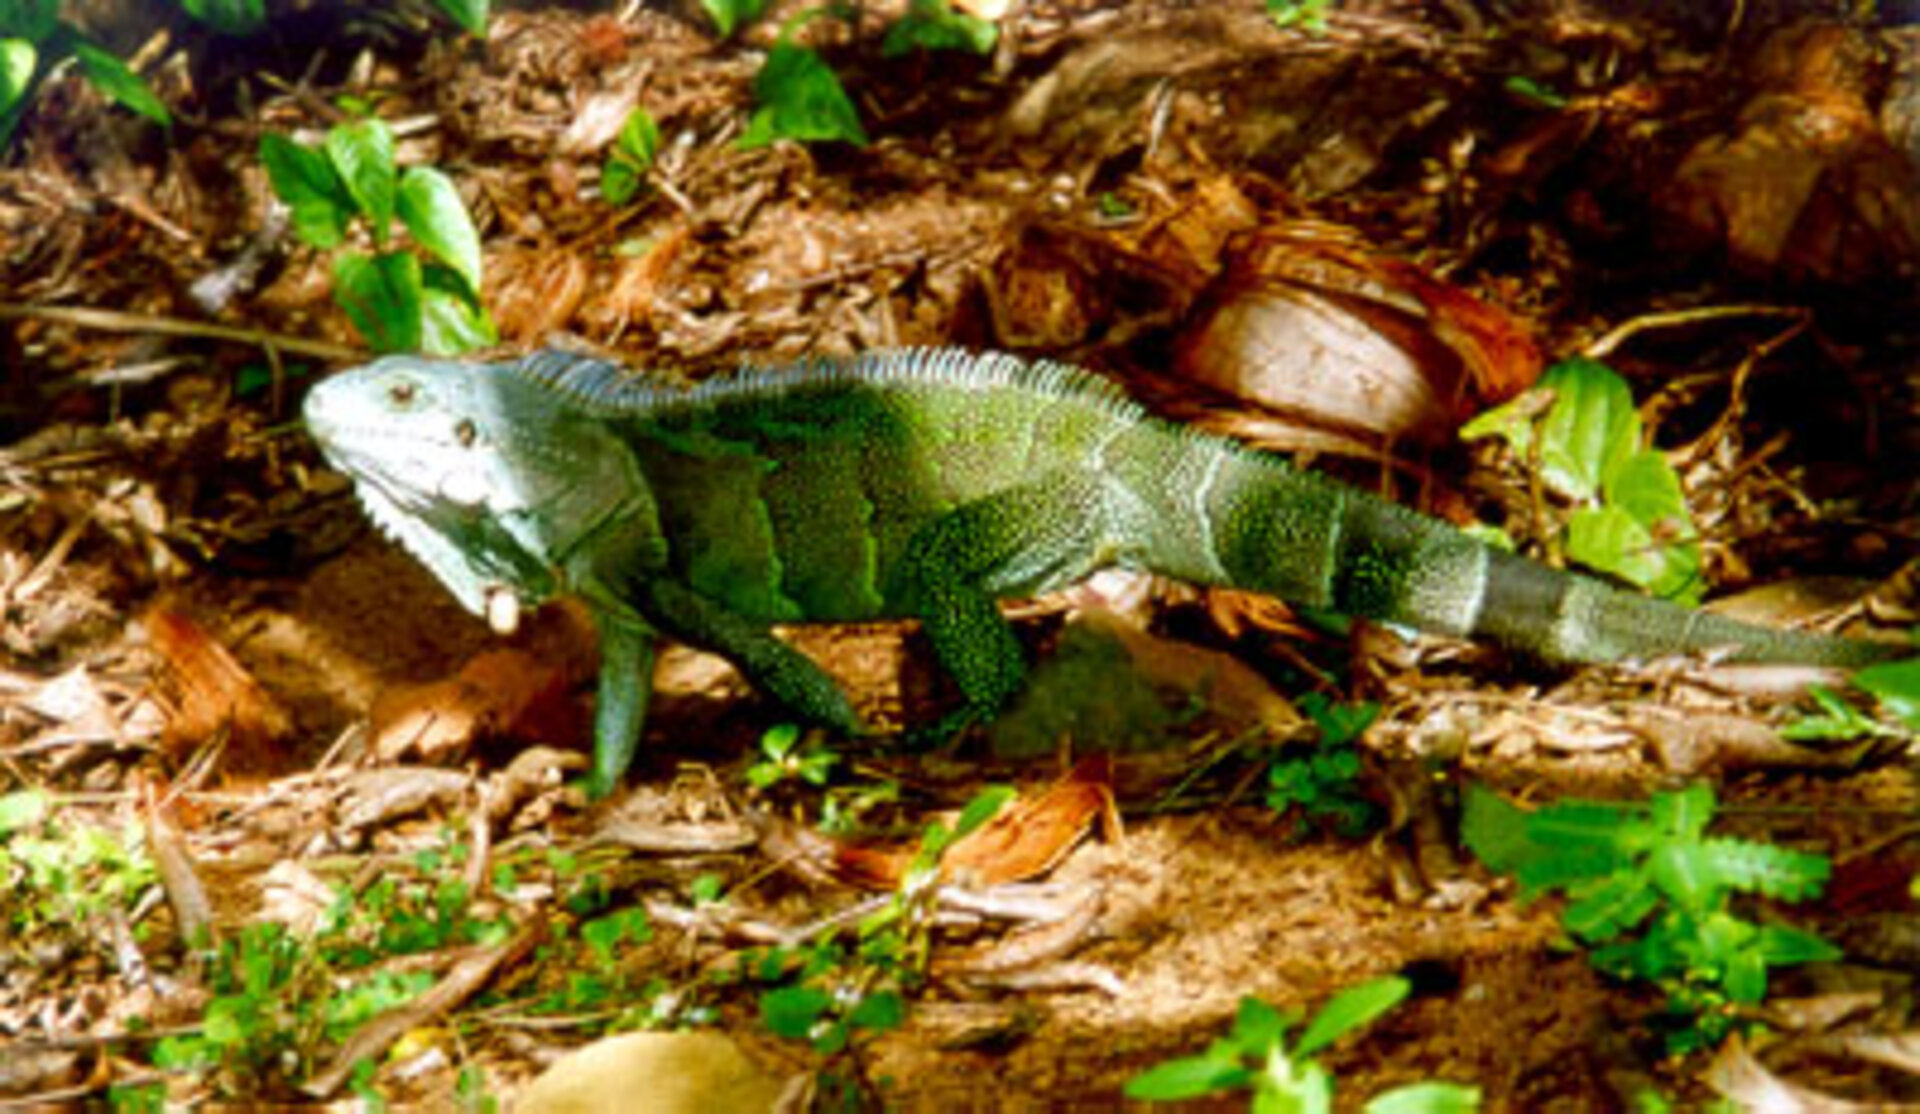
[1410, 212]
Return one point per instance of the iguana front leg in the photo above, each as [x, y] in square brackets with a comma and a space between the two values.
[620, 706]
[774, 667]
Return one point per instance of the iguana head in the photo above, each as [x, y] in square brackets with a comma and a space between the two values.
[490, 478]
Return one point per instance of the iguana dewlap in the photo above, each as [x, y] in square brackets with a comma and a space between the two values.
[925, 484]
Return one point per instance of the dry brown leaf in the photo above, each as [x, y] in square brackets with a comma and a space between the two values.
[212, 693]
[1307, 322]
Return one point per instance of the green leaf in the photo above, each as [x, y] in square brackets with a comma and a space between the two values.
[471, 15]
[452, 320]
[881, 1011]
[111, 76]
[362, 154]
[1896, 685]
[632, 157]
[17, 60]
[1783, 946]
[1779, 873]
[229, 17]
[984, 806]
[1613, 905]
[1685, 813]
[791, 1011]
[32, 20]
[1685, 874]
[1349, 1010]
[1608, 539]
[1188, 1078]
[730, 15]
[1425, 1098]
[304, 179]
[800, 99]
[1647, 488]
[430, 207]
[1590, 430]
[382, 296]
[1258, 1027]
[21, 810]
[934, 25]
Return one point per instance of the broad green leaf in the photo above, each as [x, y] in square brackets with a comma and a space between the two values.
[32, 20]
[431, 208]
[1776, 872]
[304, 179]
[934, 25]
[111, 76]
[631, 158]
[1350, 1010]
[791, 1011]
[1896, 684]
[1783, 946]
[362, 154]
[229, 17]
[730, 15]
[1258, 1027]
[800, 99]
[1425, 1098]
[382, 296]
[1591, 428]
[1609, 540]
[880, 1011]
[1648, 489]
[1685, 873]
[471, 15]
[1685, 813]
[452, 321]
[1188, 1078]
[17, 59]
[1617, 903]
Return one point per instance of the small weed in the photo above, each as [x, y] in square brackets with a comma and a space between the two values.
[1308, 15]
[398, 302]
[1255, 1056]
[632, 156]
[1651, 895]
[787, 760]
[56, 873]
[1324, 783]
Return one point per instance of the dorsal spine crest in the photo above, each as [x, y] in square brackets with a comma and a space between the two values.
[609, 389]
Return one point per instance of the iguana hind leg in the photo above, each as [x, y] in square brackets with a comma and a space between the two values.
[1026, 540]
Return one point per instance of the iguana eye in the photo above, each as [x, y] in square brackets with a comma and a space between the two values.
[401, 393]
[465, 433]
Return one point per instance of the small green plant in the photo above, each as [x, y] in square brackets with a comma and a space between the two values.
[1651, 894]
[279, 999]
[831, 993]
[1283, 1077]
[731, 15]
[787, 760]
[1629, 517]
[56, 873]
[934, 25]
[398, 302]
[34, 40]
[632, 156]
[1308, 15]
[1324, 782]
[797, 95]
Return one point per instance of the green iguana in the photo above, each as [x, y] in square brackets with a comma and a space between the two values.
[924, 484]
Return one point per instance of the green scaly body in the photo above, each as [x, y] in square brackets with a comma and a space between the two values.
[924, 484]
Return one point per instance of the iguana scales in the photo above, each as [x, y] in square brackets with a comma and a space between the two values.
[926, 484]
